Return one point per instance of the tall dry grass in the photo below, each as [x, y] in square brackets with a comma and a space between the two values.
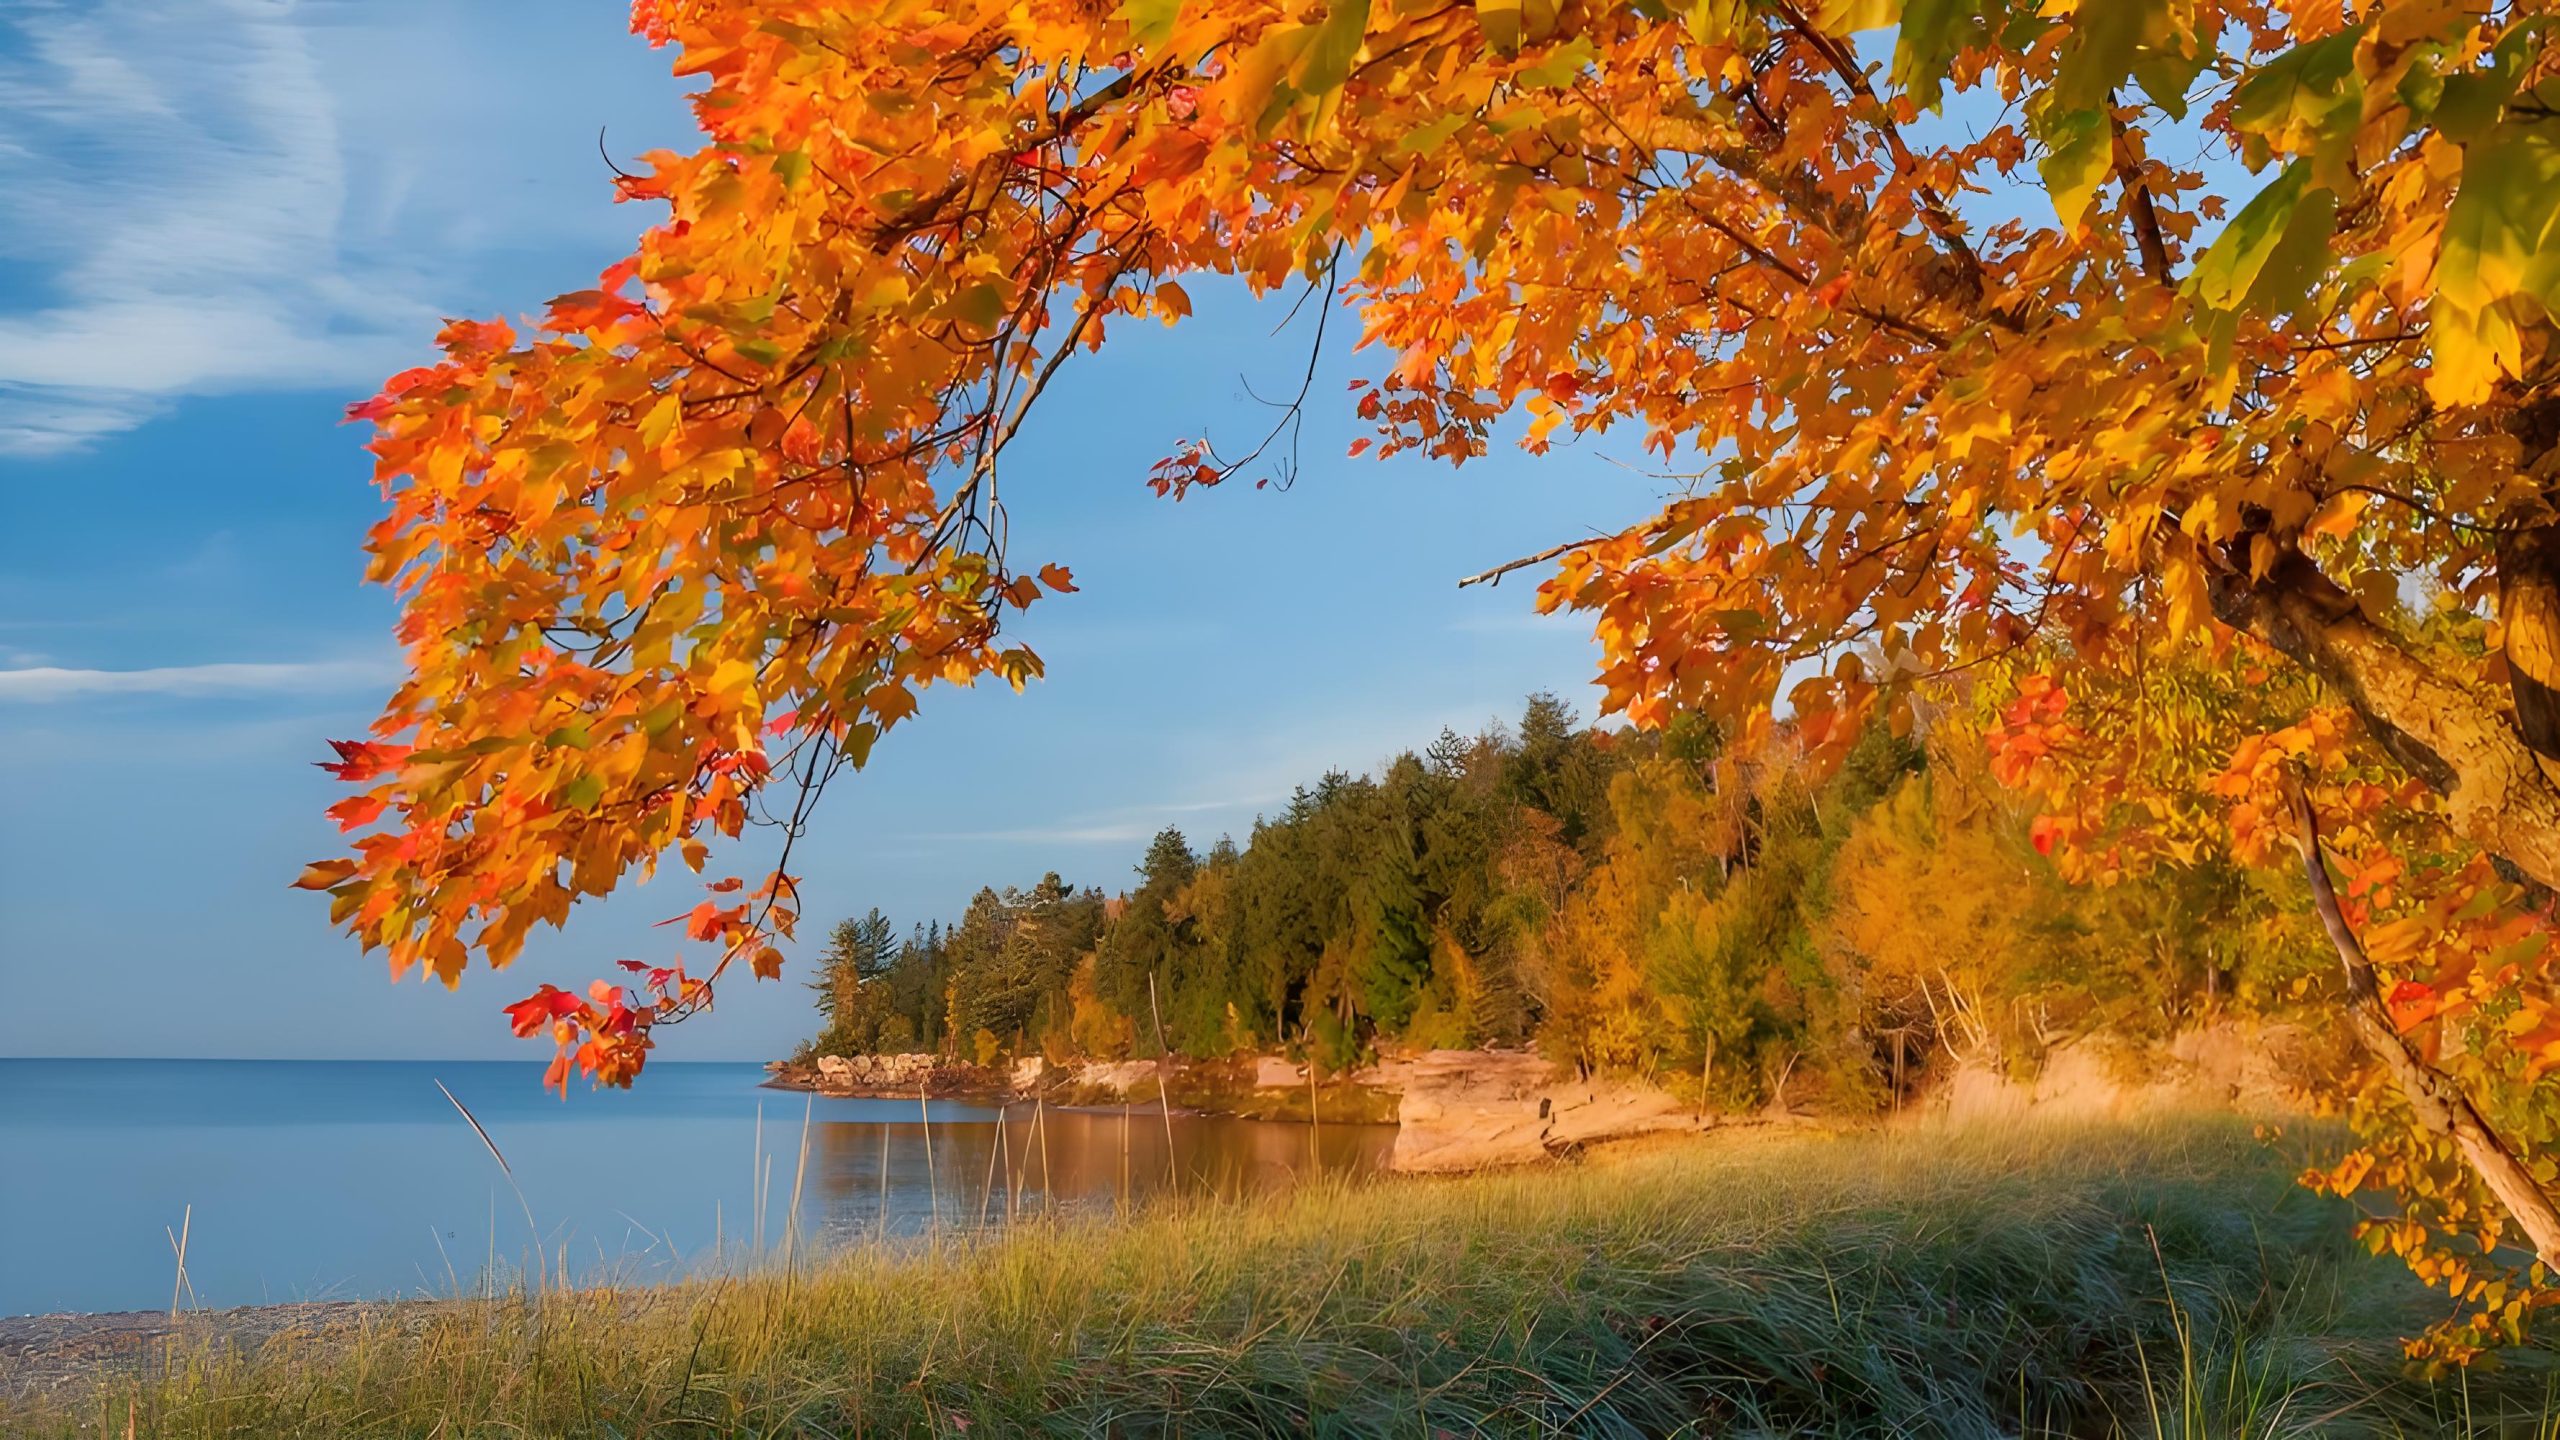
[2165, 1279]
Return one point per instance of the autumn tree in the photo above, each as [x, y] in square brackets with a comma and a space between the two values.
[1970, 351]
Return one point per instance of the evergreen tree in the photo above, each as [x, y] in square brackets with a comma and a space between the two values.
[1149, 942]
[858, 953]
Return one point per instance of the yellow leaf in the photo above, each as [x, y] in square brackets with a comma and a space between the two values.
[2182, 582]
[660, 422]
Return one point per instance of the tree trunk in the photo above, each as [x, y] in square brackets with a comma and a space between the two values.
[2460, 739]
[2438, 1103]
[2529, 622]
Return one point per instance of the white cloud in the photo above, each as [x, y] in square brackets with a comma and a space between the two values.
[1113, 827]
[54, 420]
[177, 180]
[218, 196]
[1063, 833]
[41, 684]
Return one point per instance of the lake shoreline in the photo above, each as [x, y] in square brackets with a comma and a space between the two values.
[52, 1352]
[1452, 1110]
[997, 1096]
[1822, 1283]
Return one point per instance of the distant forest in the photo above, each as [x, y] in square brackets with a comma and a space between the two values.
[1628, 901]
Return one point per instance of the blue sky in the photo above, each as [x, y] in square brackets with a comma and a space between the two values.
[229, 219]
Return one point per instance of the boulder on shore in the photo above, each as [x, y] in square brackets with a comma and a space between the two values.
[892, 1075]
[1274, 1072]
[1121, 1077]
[1476, 1109]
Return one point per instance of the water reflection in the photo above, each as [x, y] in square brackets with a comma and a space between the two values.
[868, 1178]
[343, 1179]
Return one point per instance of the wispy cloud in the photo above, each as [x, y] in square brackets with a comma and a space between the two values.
[175, 182]
[42, 684]
[1062, 833]
[1119, 826]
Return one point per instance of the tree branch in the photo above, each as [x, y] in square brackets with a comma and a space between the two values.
[2455, 737]
[2438, 1104]
[1494, 575]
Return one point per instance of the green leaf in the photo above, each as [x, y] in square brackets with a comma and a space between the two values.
[2308, 97]
[1500, 21]
[2168, 75]
[793, 167]
[2521, 951]
[1431, 136]
[1933, 33]
[2100, 51]
[2226, 271]
[1150, 22]
[1561, 65]
[2478, 905]
[2421, 86]
[978, 306]
[2468, 102]
[573, 736]
[582, 793]
[1326, 62]
[2498, 234]
[858, 740]
[763, 352]
[2301, 255]
[2079, 151]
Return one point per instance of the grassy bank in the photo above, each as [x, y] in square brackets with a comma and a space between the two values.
[2054, 1281]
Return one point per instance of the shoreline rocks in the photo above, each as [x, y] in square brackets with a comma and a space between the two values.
[1480, 1109]
[1454, 1110]
[887, 1076]
[1461, 1110]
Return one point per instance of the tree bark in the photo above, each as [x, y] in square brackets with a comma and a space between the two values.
[2457, 738]
[2438, 1103]
[2529, 622]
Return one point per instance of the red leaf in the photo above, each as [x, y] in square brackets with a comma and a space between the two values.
[705, 921]
[355, 810]
[362, 759]
[529, 1013]
[2412, 1003]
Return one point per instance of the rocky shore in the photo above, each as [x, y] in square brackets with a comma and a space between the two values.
[1460, 1110]
[889, 1076]
[1454, 1110]
[72, 1353]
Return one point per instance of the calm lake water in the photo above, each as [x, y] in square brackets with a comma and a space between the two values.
[327, 1179]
